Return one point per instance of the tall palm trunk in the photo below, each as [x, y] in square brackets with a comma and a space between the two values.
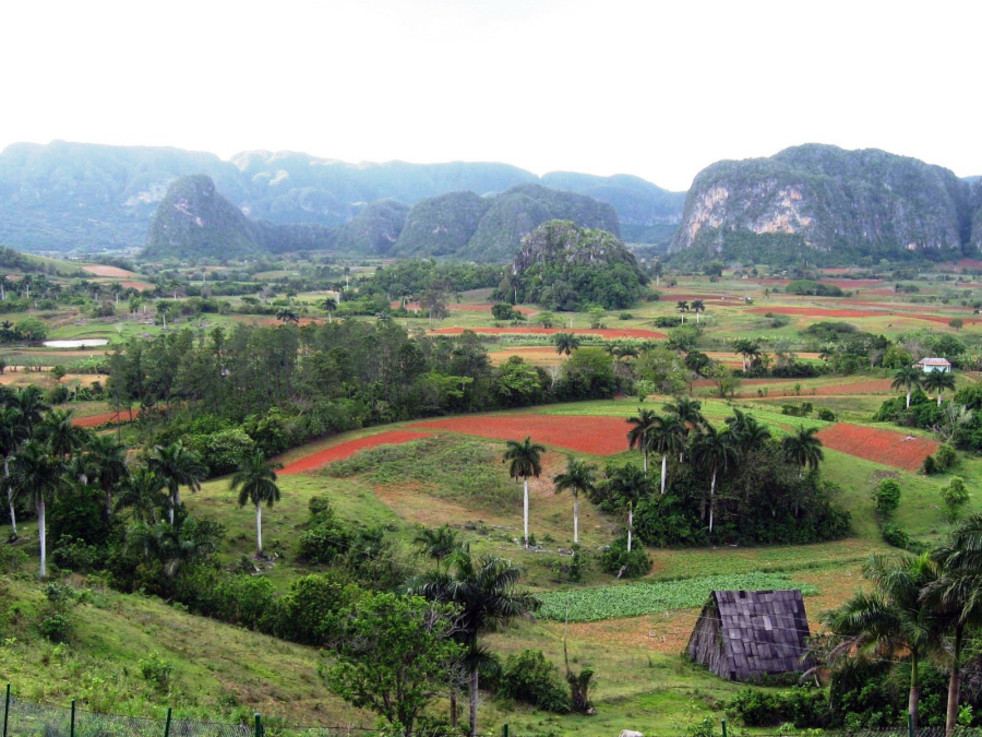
[525, 502]
[908, 397]
[576, 519]
[645, 461]
[915, 691]
[474, 695]
[453, 708]
[259, 529]
[630, 524]
[954, 683]
[664, 469]
[41, 537]
[109, 505]
[10, 497]
[712, 500]
[175, 501]
[939, 397]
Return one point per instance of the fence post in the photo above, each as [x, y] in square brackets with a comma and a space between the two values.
[259, 725]
[167, 723]
[6, 711]
[910, 725]
[72, 728]
[723, 722]
[504, 731]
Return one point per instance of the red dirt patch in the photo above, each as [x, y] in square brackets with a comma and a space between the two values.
[817, 312]
[105, 418]
[596, 435]
[603, 333]
[100, 270]
[468, 307]
[141, 285]
[882, 446]
[348, 449]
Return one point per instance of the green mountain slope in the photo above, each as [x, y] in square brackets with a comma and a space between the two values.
[442, 225]
[375, 229]
[841, 203]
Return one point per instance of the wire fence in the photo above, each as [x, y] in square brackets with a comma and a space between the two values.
[22, 718]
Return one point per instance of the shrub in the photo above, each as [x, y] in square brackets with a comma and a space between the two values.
[895, 536]
[945, 457]
[156, 671]
[530, 678]
[887, 498]
[930, 466]
[824, 413]
[618, 561]
[954, 496]
[802, 706]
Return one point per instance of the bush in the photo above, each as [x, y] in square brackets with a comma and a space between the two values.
[954, 496]
[824, 413]
[945, 457]
[887, 498]
[895, 536]
[930, 466]
[531, 679]
[156, 671]
[618, 561]
[802, 706]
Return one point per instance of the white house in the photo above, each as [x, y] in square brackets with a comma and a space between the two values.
[932, 365]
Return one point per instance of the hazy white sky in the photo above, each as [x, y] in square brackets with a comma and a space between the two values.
[655, 89]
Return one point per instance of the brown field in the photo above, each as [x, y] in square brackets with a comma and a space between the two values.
[114, 271]
[536, 355]
[882, 446]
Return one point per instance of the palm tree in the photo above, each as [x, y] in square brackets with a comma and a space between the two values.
[13, 432]
[641, 426]
[908, 377]
[893, 620]
[629, 485]
[956, 598]
[287, 314]
[939, 381]
[666, 436]
[437, 542]
[748, 434]
[803, 448]
[483, 590]
[526, 461]
[688, 412]
[329, 305]
[142, 491]
[715, 450]
[39, 474]
[697, 306]
[176, 466]
[30, 401]
[566, 343]
[62, 437]
[255, 480]
[106, 463]
[682, 306]
[579, 477]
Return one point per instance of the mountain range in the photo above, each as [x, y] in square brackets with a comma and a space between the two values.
[73, 196]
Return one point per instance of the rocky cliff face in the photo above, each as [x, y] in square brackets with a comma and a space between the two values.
[833, 201]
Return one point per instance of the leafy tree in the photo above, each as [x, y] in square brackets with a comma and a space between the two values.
[525, 460]
[689, 413]
[255, 480]
[909, 377]
[578, 477]
[682, 306]
[955, 496]
[105, 461]
[697, 306]
[803, 448]
[747, 349]
[726, 382]
[666, 436]
[13, 432]
[887, 497]
[642, 425]
[142, 491]
[714, 450]
[176, 466]
[483, 592]
[393, 654]
[330, 306]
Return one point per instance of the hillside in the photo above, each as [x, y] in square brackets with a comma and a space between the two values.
[193, 220]
[374, 230]
[844, 204]
[442, 225]
[74, 196]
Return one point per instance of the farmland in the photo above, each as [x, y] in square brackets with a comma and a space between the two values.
[406, 475]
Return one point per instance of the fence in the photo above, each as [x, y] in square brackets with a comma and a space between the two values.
[32, 719]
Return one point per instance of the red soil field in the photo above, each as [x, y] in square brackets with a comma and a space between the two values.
[105, 418]
[882, 446]
[596, 435]
[969, 263]
[141, 285]
[469, 307]
[348, 449]
[853, 283]
[603, 333]
[100, 270]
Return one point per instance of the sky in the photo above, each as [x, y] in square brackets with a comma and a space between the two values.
[655, 89]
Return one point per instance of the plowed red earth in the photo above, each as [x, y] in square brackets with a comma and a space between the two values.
[348, 449]
[469, 307]
[816, 312]
[105, 418]
[596, 435]
[882, 446]
[603, 333]
[115, 271]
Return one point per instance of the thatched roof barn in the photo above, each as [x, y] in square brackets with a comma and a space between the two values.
[741, 635]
